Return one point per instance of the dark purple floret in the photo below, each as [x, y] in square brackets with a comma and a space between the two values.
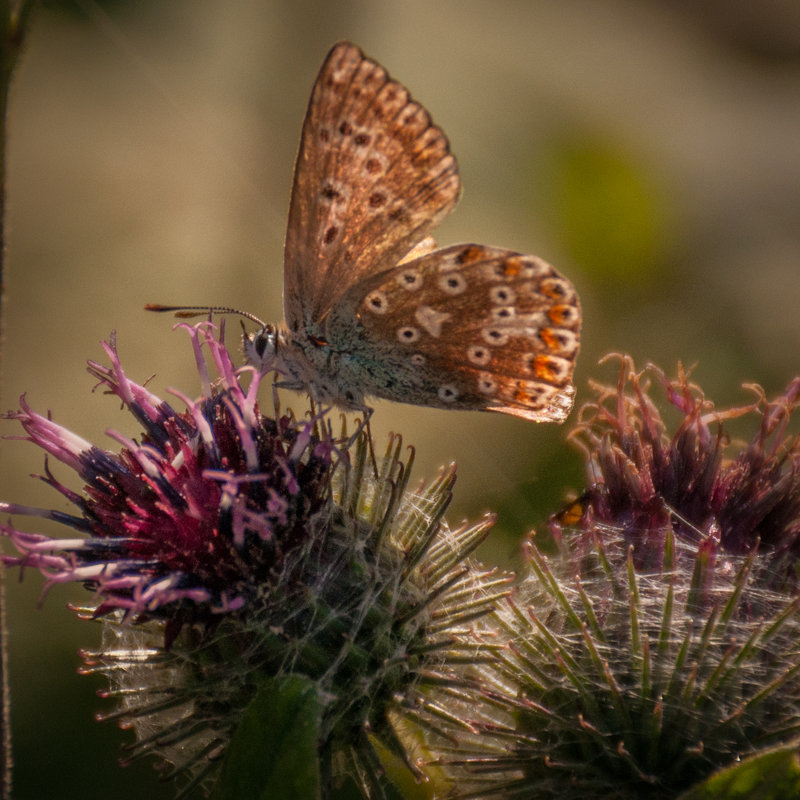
[200, 511]
[695, 479]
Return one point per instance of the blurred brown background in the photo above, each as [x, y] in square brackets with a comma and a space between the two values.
[650, 150]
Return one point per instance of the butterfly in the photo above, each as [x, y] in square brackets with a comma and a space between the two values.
[372, 308]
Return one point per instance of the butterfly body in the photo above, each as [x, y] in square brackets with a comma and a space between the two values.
[371, 308]
[336, 369]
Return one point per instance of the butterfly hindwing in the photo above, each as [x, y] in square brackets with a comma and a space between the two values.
[483, 328]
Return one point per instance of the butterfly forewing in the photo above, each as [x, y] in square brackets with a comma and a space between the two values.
[476, 327]
[373, 177]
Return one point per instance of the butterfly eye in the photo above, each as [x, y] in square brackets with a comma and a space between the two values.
[261, 348]
[265, 341]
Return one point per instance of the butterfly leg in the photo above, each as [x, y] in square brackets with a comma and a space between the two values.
[322, 427]
[276, 401]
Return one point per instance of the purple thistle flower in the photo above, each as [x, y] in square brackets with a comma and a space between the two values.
[195, 514]
[642, 478]
[653, 639]
[225, 548]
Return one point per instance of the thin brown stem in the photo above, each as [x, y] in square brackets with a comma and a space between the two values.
[14, 19]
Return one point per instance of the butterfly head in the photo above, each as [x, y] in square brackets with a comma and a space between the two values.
[261, 348]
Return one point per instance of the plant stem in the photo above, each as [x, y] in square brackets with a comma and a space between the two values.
[14, 19]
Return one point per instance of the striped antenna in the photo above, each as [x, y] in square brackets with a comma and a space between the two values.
[187, 312]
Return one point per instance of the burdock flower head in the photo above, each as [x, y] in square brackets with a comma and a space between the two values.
[263, 588]
[653, 640]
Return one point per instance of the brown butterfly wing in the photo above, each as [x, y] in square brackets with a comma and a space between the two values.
[373, 177]
[477, 327]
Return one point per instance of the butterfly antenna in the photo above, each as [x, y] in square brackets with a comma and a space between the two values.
[187, 312]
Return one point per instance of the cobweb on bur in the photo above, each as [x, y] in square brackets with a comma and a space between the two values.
[652, 639]
[223, 548]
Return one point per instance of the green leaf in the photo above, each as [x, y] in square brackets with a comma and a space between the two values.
[771, 775]
[273, 752]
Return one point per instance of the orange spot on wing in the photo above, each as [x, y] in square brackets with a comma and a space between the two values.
[544, 369]
[512, 267]
[523, 398]
[469, 255]
[560, 314]
[551, 340]
[553, 289]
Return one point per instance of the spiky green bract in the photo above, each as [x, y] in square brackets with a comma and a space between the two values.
[228, 550]
[369, 608]
[654, 637]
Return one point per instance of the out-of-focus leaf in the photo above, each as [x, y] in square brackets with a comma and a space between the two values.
[774, 775]
[273, 752]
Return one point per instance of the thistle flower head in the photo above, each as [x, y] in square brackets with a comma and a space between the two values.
[695, 478]
[653, 640]
[225, 548]
[194, 515]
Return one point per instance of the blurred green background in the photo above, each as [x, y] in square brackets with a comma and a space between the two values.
[650, 150]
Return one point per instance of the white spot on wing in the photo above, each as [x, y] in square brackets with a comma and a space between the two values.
[486, 383]
[454, 283]
[502, 295]
[407, 334]
[478, 354]
[431, 319]
[410, 279]
[495, 336]
[376, 302]
[448, 393]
